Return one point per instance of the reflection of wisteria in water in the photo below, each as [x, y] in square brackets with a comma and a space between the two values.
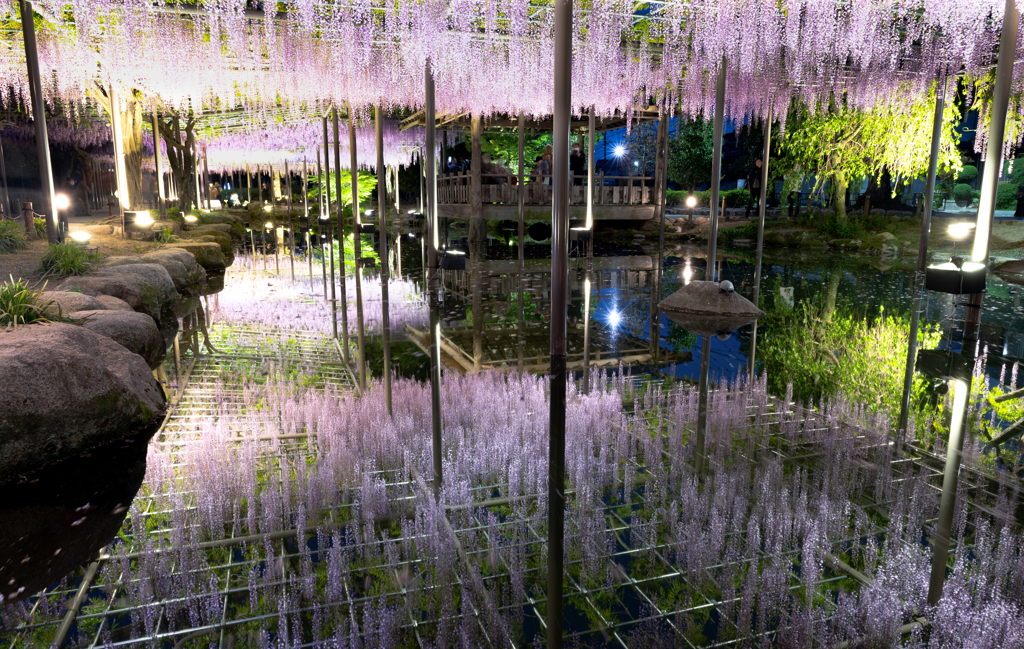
[252, 295]
[806, 525]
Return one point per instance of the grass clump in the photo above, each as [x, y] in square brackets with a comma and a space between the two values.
[21, 305]
[166, 236]
[64, 259]
[12, 236]
[40, 227]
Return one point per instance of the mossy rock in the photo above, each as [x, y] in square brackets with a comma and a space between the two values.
[208, 254]
[221, 238]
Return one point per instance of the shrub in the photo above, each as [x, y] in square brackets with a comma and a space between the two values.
[21, 305]
[166, 236]
[1006, 196]
[40, 228]
[963, 192]
[67, 259]
[967, 175]
[12, 236]
[174, 214]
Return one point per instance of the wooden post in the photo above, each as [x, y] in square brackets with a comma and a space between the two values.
[206, 178]
[30, 220]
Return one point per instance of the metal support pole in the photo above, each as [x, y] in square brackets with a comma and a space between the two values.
[291, 229]
[382, 208]
[944, 524]
[716, 171]
[309, 229]
[320, 219]
[660, 184]
[996, 131]
[8, 209]
[263, 229]
[760, 234]
[195, 175]
[521, 257]
[586, 334]
[591, 136]
[922, 261]
[120, 174]
[206, 178]
[559, 291]
[702, 404]
[433, 285]
[326, 219]
[35, 88]
[357, 246]
[156, 162]
[341, 237]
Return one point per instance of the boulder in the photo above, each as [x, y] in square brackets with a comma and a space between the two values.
[70, 301]
[213, 227]
[95, 230]
[180, 264]
[160, 226]
[209, 255]
[883, 242]
[146, 288]
[67, 389]
[221, 238]
[114, 304]
[707, 309]
[878, 211]
[110, 262]
[136, 332]
[223, 218]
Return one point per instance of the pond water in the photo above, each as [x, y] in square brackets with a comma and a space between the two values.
[275, 504]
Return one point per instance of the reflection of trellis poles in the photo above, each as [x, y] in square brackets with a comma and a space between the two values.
[635, 316]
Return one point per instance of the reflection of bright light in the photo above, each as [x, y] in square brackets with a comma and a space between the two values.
[613, 319]
[61, 201]
[636, 163]
[619, 151]
[691, 201]
[368, 213]
[81, 237]
[687, 274]
[268, 225]
[268, 208]
[960, 230]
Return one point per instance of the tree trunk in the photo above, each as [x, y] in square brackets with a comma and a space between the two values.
[131, 129]
[831, 294]
[179, 139]
[839, 191]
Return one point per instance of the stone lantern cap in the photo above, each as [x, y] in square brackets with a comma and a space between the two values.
[709, 308]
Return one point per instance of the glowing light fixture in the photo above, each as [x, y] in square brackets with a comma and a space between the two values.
[960, 230]
[81, 236]
[143, 220]
[190, 218]
[619, 151]
[691, 201]
[614, 318]
[61, 201]
[268, 208]
[268, 225]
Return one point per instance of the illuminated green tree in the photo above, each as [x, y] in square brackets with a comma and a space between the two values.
[841, 144]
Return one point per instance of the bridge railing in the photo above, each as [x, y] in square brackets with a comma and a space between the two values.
[454, 189]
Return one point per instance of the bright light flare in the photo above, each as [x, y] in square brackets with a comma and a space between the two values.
[691, 201]
[619, 151]
[61, 201]
[960, 230]
[268, 208]
[614, 318]
[687, 273]
[81, 236]
[190, 218]
[144, 220]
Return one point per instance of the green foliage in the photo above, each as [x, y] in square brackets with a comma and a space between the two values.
[841, 144]
[367, 187]
[679, 338]
[504, 149]
[166, 236]
[366, 251]
[20, 305]
[745, 231]
[733, 197]
[530, 311]
[67, 259]
[825, 352]
[963, 192]
[174, 214]
[40, 227]
[12, 236]
[1006, 196]
[967, 174]
[690, 152]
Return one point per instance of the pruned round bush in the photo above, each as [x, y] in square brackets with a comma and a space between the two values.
[963, 192]
[12, 236]
[67, 259]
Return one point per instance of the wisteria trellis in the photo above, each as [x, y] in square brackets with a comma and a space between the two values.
[496, 55]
